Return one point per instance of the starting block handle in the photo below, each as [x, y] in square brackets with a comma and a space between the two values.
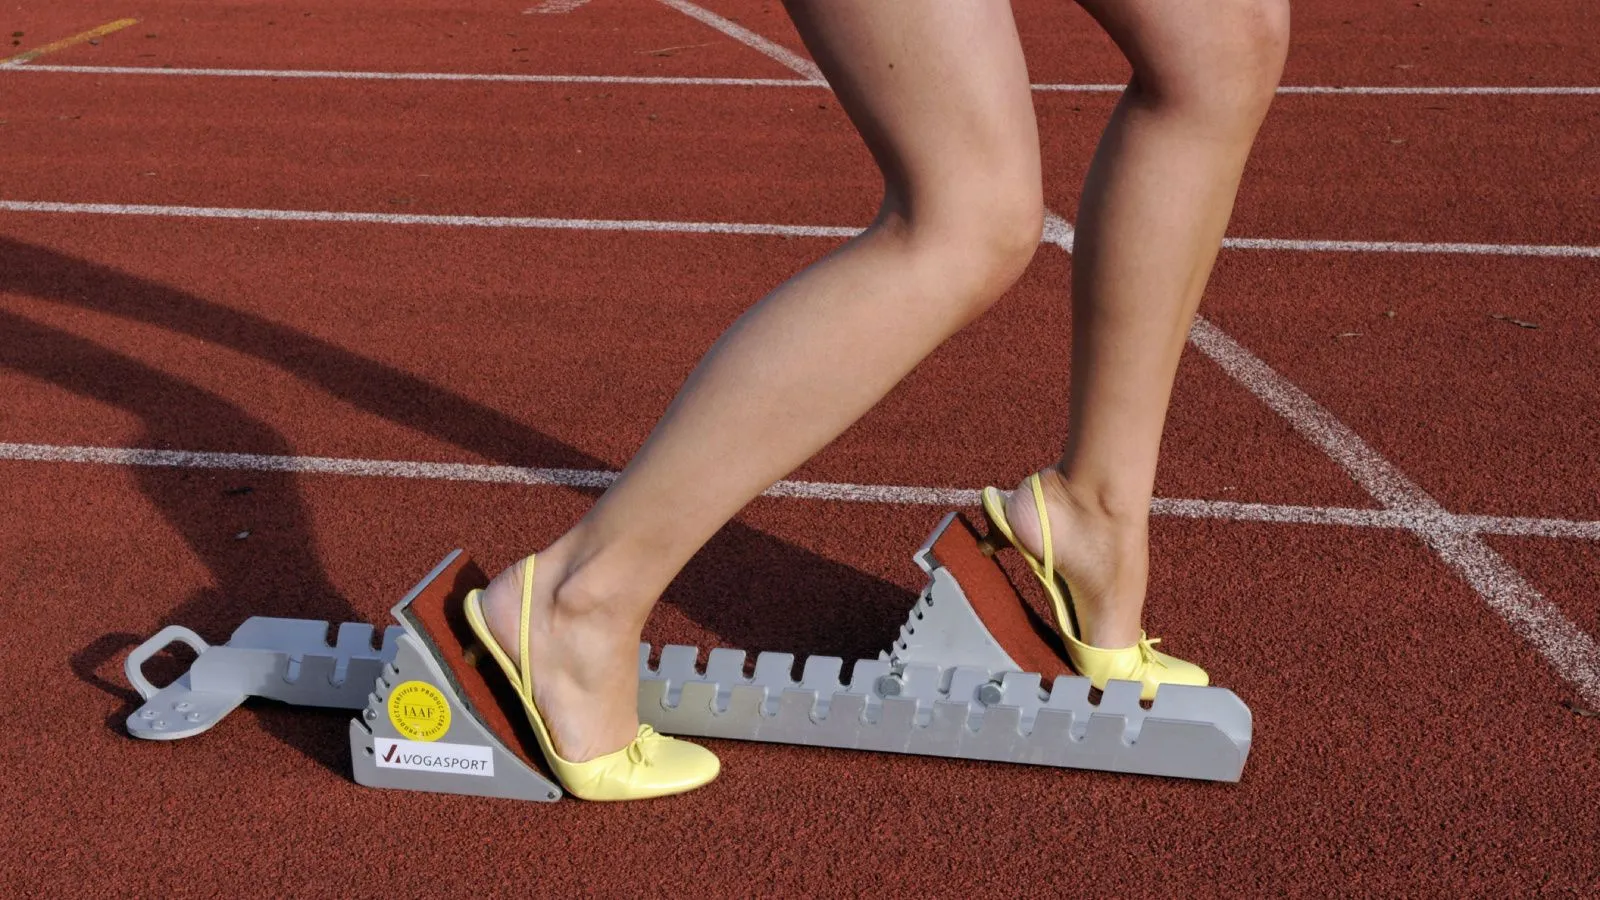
[172, 634]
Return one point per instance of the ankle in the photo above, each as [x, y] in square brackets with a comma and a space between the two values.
[1107, 505]
[600, 590]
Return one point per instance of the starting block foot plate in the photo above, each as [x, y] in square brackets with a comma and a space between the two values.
[434, 721]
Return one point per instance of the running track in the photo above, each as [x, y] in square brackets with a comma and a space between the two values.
[377, 301]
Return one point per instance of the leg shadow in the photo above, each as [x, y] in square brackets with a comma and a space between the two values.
[794, 600]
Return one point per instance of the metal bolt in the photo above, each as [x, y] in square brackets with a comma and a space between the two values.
[990, 694]
[371, 715]
[889, 685]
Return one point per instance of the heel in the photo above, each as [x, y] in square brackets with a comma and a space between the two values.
[1055, 587]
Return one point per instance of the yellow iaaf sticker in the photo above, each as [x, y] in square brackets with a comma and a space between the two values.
[419, 711]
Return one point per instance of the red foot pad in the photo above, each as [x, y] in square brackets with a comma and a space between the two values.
[1030, 642]
[439, 617]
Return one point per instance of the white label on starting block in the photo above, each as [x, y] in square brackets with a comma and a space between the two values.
[432, 756]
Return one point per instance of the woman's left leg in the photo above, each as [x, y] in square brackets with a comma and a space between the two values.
[940, 93]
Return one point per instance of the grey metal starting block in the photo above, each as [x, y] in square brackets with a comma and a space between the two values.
[965, 679]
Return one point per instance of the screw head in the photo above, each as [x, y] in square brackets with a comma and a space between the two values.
[990, 694]
[371, 715]
[889, 685]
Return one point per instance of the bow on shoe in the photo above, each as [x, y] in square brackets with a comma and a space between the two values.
[1148, 654]
[640, 749]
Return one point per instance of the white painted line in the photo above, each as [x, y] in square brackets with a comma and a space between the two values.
[1409, 247]
[553, 7]
[1409, 520]
[1376, 90]
[1057, 231]
[422, 76]
[1079, 88]
[1444, 90]
[1518, 526]
[806, 82]
[801, 66]
[904, 495]
[300, 215]
[1573, 654]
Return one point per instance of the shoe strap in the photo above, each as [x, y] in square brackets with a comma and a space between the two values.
[1044, 524]
[522, 628]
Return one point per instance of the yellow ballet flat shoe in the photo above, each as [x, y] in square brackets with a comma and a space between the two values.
[651, 765]
[1140, 662]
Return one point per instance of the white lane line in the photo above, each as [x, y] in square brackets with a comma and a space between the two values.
[1573, 654]
[553, 7]
[1057, 231]
[1445, 90]
[1518, 526]
[420, 76]
[905, 495]
[806, 82]
[301, 215]
[1409, 247]
[796, 63]
[1376, 90]
[1408, 520]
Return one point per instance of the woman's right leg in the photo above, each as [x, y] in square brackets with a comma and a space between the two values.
[939, 91]
[1154, 208]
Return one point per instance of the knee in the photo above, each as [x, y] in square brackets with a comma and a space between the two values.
[999, 237]
[1224, 66]
[974, 245]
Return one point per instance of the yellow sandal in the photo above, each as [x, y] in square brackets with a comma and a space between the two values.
[1141, 662]
[652, 765]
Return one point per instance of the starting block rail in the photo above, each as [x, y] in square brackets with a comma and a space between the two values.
[966, 678]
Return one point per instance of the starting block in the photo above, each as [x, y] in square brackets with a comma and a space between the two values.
[973, 674]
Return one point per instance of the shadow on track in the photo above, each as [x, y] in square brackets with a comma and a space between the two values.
[278, 572]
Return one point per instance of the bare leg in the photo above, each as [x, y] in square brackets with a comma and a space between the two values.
[1154, 208]
[940, 94]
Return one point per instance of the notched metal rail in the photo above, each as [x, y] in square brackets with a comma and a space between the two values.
[289, 660]
[958, 711]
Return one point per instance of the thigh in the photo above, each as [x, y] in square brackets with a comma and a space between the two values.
[939, 91]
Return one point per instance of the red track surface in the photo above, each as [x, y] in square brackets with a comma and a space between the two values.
[1407, 741]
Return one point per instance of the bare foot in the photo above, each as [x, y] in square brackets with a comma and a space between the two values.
[1105, 561]
[583, 656]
